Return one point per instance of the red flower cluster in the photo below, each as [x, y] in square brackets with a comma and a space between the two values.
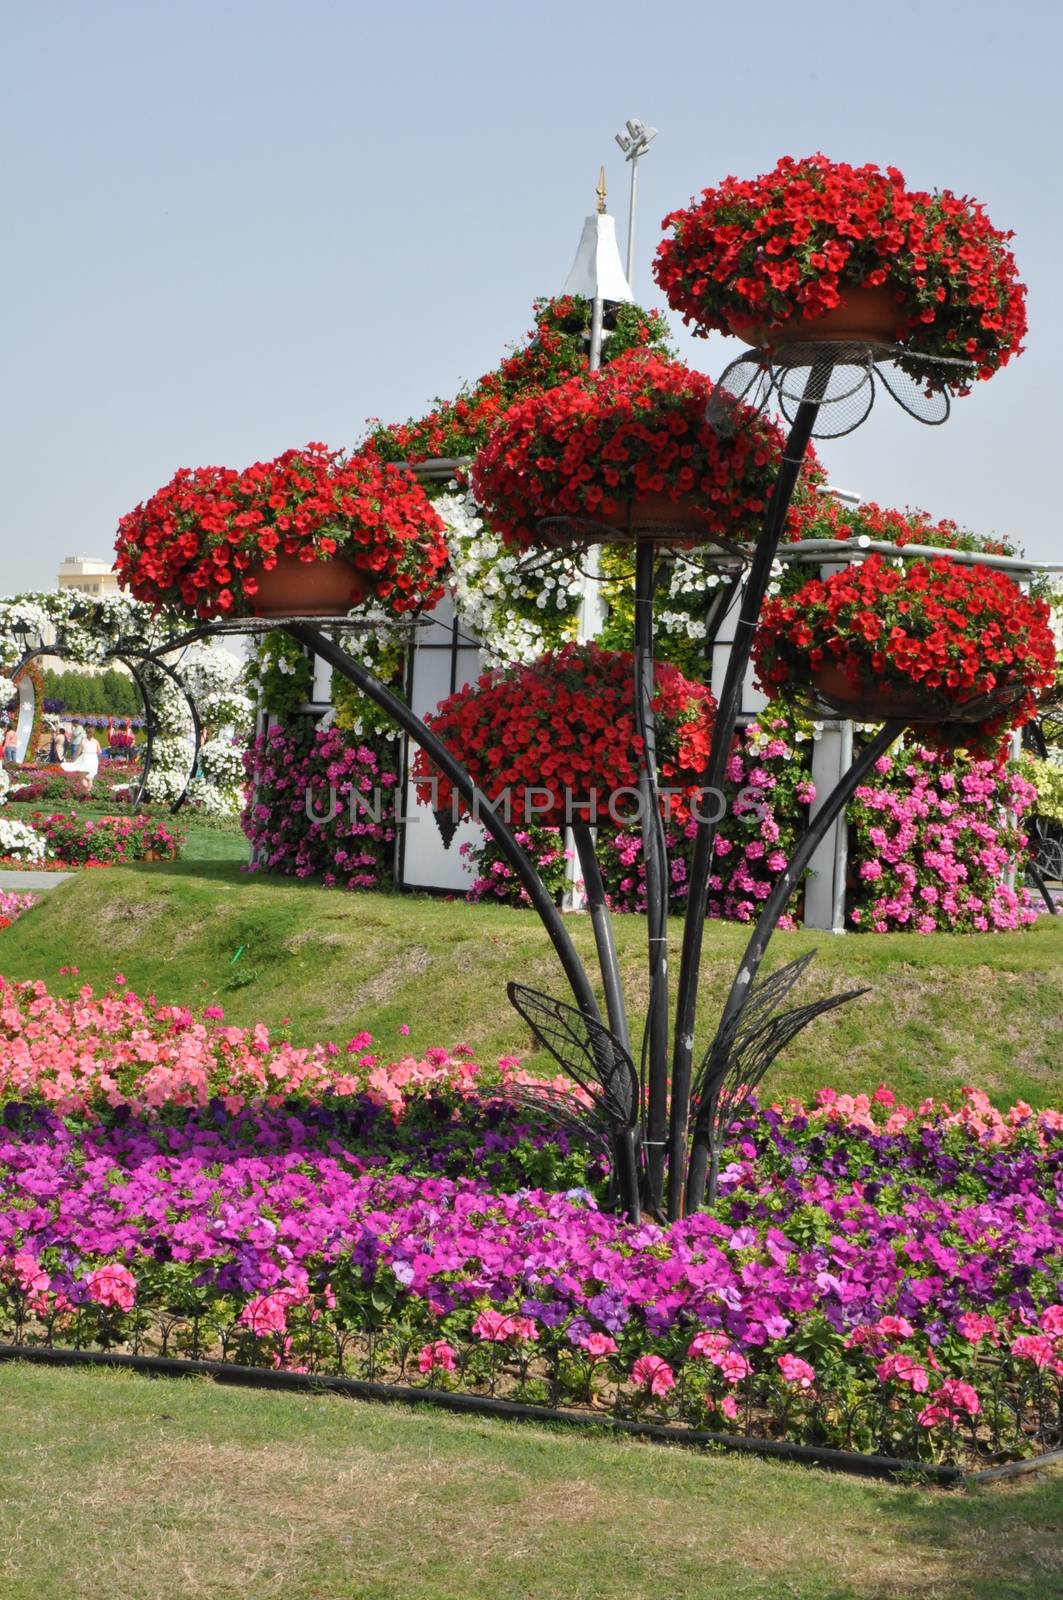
[785, 246]
[822, 517]
[555, 349]
[954, 631]
[637, 428]
[564, 725]
[194, 544]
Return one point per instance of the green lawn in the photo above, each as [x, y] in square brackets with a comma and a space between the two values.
[943, 1011]
[118, 1487]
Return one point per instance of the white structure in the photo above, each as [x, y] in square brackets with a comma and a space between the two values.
[446, 656]
[88, 575]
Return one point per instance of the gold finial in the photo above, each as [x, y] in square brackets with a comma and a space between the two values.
[601, 192]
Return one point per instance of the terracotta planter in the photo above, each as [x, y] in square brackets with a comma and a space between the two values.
[655, 518]
[295, 588]
[875, 702]
[867, 315]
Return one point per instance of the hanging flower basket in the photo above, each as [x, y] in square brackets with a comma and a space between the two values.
[540, 738]
[821, 250]
[312, 533]
[626, 450]
[958, 650]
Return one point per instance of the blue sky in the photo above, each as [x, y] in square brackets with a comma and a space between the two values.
[234, 227]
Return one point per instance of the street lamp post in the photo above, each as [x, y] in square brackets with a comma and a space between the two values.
[634, 140]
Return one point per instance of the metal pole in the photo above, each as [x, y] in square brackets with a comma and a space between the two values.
[727, 712]
[304, 633]
[631, 219]
[841, 837]
[655, 1037]
[603, 931]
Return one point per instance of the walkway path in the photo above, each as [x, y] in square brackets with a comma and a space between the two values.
[13, 882]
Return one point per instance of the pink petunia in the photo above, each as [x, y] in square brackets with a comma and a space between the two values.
[794, 1370]
[437, 1355]
[113, 1286]
[598, 1344]
[653, 1373]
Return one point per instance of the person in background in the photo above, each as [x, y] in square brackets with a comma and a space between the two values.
[11, 744]
[90, 757]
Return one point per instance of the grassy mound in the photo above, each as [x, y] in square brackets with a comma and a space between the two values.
[944, 1010]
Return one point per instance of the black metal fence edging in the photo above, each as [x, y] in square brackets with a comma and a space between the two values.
[940, 1475]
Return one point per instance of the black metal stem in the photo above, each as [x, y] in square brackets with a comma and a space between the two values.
[1042, 887]
[602, 923]
[149, 731]
[499, 830]
[654, 855]
[727, 713]
[772, 910]
[193, 711]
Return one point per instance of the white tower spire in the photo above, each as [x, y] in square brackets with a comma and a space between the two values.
[597, 272]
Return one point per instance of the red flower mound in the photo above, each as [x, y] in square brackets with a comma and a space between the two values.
[193, 544]
[821, 517]
[564, 726]
[955, 632]
[784, 247]
[636, 428]
[554, 349]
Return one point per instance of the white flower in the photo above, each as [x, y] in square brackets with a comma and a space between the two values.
[21, 843]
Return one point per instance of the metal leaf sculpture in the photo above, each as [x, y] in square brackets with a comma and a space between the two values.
[596, 1061]
[745, 1047]
[585, 1049]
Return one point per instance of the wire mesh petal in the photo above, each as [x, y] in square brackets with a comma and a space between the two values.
[930, 406]
[586, 1051]
[740, 394]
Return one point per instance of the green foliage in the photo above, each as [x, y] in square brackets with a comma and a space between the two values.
[111, 693]
[386, 658]
[279, 674]
[1047, 779]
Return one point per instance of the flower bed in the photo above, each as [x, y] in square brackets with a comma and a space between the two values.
[874, 1277]
[13, 906]
[773, 253]
[48, 782]
[347, 837]
[21, 845]
[74, 841]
